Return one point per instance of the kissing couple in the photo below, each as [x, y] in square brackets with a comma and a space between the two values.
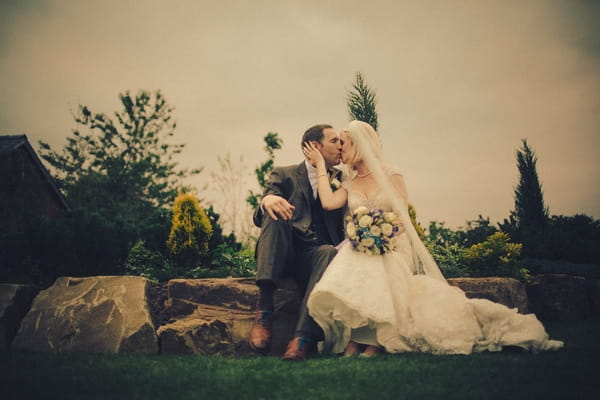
[338, 224]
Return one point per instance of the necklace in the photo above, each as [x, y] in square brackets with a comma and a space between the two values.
[363, 175]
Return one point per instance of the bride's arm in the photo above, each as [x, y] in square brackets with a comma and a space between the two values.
[330, 200]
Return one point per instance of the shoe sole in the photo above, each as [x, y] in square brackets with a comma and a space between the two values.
[263, 352]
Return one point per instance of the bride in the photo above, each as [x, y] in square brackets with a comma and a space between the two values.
[384, 292]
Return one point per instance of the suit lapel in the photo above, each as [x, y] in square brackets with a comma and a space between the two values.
[303, 182]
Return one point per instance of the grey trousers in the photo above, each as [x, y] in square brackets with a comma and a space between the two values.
[280, 253]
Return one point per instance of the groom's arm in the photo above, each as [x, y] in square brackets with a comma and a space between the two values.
[274, 200]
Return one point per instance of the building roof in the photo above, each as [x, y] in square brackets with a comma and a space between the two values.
[10, 143]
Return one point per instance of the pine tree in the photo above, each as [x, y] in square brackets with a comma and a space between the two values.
[530, 209]
[529, 220]
[361, 102]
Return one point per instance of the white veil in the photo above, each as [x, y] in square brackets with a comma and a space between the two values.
[370, 152]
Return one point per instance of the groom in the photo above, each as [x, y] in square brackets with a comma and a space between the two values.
[297, 240]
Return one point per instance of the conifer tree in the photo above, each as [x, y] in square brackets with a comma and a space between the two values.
[528, 221]
[361, 102]
[530, 209]
[190, 231]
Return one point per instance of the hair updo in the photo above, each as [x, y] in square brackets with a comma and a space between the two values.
[362, 134]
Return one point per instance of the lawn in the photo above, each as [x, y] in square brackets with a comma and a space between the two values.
[569, 373]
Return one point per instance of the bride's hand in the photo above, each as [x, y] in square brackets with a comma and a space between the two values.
[312, 153]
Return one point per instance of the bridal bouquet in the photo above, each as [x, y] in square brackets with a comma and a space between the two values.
[373, 231]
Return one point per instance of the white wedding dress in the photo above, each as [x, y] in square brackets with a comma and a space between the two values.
[379, 300]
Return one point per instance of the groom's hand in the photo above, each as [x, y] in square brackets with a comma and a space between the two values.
[277, 206]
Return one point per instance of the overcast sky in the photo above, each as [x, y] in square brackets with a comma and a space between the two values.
[458, 84]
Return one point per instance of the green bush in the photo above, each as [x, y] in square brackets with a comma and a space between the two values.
[229, 262]
[153, 265]
[496, 256]
[147, 263]
[450, 259]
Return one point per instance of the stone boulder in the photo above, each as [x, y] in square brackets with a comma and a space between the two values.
[15, 301]
[213, 316]
[559, 297]
[593, 289]
[104, 314]
[507, 291]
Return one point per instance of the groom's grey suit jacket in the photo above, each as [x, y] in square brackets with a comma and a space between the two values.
[292, 183]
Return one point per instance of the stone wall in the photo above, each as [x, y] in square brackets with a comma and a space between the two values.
[116, 314]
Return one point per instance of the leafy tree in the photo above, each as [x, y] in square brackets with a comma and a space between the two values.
[272, 143]
[120, 164]
[119, 175]
[361, 102]
[190, 231]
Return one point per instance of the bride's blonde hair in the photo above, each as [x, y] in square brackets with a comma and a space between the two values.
[367, 132]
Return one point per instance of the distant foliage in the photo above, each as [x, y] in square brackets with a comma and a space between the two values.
[475, 231]
[574, 238]
[272, 143]
[190, 231]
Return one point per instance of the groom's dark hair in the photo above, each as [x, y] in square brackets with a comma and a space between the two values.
[314, 133]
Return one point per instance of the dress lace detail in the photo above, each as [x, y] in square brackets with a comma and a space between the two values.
[378, 299]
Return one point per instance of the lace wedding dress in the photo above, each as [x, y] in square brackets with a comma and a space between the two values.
[380, 300]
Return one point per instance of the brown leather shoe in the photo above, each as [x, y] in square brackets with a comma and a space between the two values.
[299, 349]
[259, 337]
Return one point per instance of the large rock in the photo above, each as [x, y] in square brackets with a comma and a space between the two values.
[15, 301]
[593, 289]
[107, 314]
[559, 297]
[507, 291]
[213, 316]
[234, 293]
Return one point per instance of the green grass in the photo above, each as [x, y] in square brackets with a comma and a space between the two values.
[569, 373]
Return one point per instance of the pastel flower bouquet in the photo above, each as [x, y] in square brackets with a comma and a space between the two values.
[373, 231]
